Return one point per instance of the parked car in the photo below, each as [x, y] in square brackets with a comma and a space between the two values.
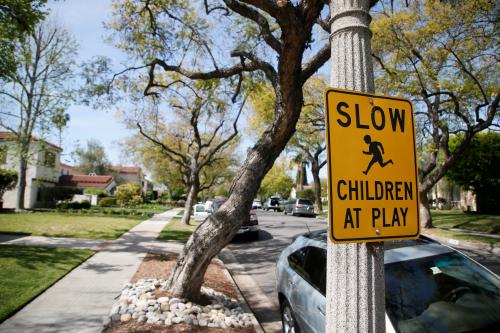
[429, 287]
[256, 204]
[249, 228]
[199, 212]
[299, 207]
[208, 206]
[273, 203]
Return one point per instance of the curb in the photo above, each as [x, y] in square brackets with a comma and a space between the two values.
[460, 244]
[258, 328]
[255, 296]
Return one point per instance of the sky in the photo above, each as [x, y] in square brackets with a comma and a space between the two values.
[84, 19]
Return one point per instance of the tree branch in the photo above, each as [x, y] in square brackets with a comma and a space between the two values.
[316, 62]
[169, 152]
[261, 21]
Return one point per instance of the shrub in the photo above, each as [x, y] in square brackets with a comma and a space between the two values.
[74, 205]
[49, 196]
[95, 191]
[107, 202]
[126, 194]
[136, 200]
[306, 194]
[8, 181]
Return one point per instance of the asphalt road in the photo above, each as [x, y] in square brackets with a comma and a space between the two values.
[258, 258]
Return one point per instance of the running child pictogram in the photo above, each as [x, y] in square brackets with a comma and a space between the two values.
[376, 149]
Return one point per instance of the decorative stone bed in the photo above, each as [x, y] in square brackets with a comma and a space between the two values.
[145, 307]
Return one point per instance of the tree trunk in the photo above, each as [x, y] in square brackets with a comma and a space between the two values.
[317, 187]
[194, 189]
[21, 181]
[219, 229]
[425, 210]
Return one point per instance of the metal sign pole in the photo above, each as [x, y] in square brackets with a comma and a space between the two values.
[355, 272]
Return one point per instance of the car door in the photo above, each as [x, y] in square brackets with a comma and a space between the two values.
[315, 302]
[307, 296]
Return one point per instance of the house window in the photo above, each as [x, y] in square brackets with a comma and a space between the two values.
[49, 159]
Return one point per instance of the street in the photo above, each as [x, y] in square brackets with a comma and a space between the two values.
[258, 259]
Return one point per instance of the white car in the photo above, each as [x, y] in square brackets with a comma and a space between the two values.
[200, 212]
[256, 204]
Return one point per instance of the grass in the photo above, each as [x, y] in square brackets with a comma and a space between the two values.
[65, 225]
[138, 212]
[466, 221]
[176, 230]
[27, 271]
[462, 236]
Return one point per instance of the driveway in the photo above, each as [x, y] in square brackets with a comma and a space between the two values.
[257, 259]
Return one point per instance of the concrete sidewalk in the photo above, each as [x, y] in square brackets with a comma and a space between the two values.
[82, 299]
[74, 243]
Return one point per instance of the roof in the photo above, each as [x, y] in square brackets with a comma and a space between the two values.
[85, 181]
[12, 136]
[126, 169]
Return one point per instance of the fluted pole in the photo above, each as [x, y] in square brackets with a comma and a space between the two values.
[355, 272]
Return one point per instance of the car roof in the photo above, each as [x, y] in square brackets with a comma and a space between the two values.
[395, 251]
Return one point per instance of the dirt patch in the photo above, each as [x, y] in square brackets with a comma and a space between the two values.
[159, 266]
[144, 328]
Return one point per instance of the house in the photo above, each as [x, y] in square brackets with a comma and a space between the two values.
[130, 174]
[42, 171]
[448, 195]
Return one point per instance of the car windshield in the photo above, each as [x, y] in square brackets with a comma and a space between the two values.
[305, 202]
[275, 201]
[200, 209]
[446, 293]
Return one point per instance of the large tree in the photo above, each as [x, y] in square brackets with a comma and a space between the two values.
[442, 56]
[197, 131]
[284, 42]
[92, 158]
[17, 20]
[35, 96]
[309, 139]
[477, 170]
[277, 181]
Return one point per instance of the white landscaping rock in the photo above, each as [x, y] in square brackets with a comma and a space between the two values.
[138, 302]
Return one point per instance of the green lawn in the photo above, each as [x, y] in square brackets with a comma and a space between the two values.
[466, 221]
[27, 271]
[178, 231]
[66, 225]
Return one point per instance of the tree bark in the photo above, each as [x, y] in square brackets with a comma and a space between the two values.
[194, 189]
[425, 210]
[21, 181]
[317, 186]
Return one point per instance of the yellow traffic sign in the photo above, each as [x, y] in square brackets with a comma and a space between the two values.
[372, 167]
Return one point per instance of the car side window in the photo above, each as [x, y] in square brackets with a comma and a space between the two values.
[315, 268]
[297, 261]
[310, 263]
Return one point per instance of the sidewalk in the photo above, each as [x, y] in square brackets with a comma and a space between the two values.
[81, 301]
[74, 243]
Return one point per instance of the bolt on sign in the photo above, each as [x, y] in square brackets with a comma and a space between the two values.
[372, 167]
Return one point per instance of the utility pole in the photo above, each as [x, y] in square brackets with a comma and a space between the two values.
[355, 289]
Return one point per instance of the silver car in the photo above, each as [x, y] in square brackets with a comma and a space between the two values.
[299, 207]
[429, 288]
